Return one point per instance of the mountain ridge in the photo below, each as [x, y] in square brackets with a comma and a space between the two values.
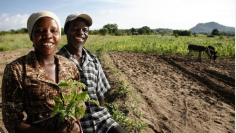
[209, 26]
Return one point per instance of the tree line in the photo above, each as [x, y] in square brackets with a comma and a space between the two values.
[112, 29]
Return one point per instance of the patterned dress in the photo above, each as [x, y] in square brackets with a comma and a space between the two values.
[26, 87]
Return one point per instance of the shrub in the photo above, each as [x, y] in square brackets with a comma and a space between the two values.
[176, 35]
[210, 36]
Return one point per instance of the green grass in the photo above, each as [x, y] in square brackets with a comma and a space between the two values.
[161, 44]
[18, 41]
[141, 43]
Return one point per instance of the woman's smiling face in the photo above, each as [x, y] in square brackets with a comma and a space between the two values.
[45, 36]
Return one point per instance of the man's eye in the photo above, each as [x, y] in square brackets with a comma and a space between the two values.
[74, 29]
[85, 30]
[39, 30]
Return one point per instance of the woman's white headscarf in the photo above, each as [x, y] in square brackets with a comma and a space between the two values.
[37, 15]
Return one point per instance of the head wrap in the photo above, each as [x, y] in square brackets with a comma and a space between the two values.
[37, 15]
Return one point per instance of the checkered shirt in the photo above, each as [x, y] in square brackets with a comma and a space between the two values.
[96, 119]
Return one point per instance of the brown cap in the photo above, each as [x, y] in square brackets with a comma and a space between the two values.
[73, 16]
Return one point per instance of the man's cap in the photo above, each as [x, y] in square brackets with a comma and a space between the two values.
[37, 15]
[73, 16]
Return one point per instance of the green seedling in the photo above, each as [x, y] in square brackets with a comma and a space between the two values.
[71, 103]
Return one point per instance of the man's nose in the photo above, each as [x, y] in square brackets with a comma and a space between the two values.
[79, 31]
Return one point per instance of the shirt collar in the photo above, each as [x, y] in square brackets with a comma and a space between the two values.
[34, 70]
[87, 56]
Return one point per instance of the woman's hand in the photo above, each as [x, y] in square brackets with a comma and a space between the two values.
[70, 126]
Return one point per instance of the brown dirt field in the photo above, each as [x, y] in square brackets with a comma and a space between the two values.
[179, 96]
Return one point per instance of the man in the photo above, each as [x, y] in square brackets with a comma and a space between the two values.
[96, 119]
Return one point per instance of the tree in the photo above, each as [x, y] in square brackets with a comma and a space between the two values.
[147, 29]
[134, 31]
[22, 30]
[62, 31]
[90, 32]
[117, 32]
[12, 31]
[111, 27]
[215, 32]
[103, 31]
[129, 32]
[182, 32]
[141, 31]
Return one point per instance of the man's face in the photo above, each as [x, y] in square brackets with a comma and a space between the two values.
[45, 36]
[77, 33]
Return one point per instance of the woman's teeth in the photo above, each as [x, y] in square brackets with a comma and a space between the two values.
[47, 44]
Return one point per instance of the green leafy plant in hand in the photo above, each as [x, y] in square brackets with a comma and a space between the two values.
[71, 103]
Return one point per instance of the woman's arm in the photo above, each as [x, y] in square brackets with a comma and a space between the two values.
[12, 105]
[26, 128]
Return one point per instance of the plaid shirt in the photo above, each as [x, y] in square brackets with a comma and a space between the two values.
[96, 119]
[26, 87]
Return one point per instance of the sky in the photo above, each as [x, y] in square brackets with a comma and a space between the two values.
[171, 14]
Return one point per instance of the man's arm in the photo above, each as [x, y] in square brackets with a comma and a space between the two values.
[103, 85]
[101, 101]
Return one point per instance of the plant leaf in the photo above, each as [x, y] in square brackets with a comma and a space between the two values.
[82, 95]
[81, 111]
[96, 102]
[62, 116]
[72, 115]
[63, 84]
[71, 105]
[58, 99]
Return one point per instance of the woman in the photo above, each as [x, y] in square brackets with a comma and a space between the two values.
[30, 82]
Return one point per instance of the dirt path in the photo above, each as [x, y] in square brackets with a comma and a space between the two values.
[179, 96]
[182, 96]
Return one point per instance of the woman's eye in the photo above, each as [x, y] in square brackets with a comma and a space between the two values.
[54, 31]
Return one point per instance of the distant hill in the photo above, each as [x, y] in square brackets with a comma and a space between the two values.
[208, 27]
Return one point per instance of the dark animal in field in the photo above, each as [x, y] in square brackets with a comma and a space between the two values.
[212, 52]
[209, 50]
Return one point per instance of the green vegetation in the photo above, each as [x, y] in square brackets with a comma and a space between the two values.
[18, 41]
[225, 46]
[14, 41]
[71, 103]
[121, 100]
[72, 98]
[162, 44]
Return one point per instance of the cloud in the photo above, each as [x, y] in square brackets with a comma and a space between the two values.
[178, 14]
[5, 15]
[106, 12]
[8, 21]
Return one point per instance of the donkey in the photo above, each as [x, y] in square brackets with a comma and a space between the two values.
[209, 50]
[212, 52]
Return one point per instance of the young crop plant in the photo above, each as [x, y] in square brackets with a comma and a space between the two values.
[70, 105]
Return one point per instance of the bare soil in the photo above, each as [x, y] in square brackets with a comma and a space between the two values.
[179, 96]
